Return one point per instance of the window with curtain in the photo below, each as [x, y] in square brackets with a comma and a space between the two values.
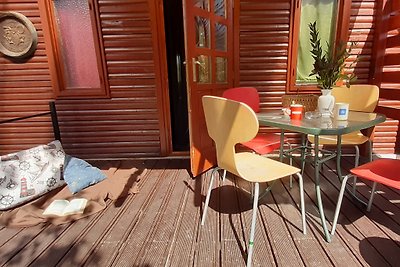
[324, 12]
[78, 61]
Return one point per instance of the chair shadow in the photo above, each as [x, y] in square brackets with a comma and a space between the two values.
[388, 248]
[231, 199]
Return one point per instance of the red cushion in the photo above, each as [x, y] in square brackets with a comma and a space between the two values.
[264, 143]
[384, 171]
[247, 95]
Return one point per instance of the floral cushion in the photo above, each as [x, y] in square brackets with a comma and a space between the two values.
[30, 173]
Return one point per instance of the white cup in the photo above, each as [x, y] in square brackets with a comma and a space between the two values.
[341, 111]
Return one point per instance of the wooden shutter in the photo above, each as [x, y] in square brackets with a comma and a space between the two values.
[386, 73]
[264, 42]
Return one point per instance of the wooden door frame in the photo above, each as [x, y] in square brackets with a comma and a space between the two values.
[161, 75]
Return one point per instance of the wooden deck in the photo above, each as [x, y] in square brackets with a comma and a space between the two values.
[160, 226]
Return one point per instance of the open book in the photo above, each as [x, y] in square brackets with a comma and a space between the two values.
[62, 207]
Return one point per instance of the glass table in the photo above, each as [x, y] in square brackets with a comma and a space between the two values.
[320, 126]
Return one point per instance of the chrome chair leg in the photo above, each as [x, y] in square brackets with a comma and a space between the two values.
[224, 176]
[253, 224]
[302, 205]
[291, 164]
[356, 163]
[339, 203]
[208, 196]
[371, 198]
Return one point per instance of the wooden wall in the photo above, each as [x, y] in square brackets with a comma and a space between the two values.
[126, 125]
[25, 88]
[131, 123]
[264, 53]
[387, 75]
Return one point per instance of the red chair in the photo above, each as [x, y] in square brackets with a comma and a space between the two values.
[383, 171]
[263, 143]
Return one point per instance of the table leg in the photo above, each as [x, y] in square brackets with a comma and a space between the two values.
[338, 157]
[281, 146]
[318, 189]
[303, 152]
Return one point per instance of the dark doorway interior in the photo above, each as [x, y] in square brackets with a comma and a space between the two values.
[174, 35]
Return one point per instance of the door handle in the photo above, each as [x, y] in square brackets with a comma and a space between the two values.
[194, 63]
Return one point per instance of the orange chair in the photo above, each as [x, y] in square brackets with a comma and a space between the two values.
[383, 171]
[262, 143]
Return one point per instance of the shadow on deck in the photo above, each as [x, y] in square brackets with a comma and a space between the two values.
[160, 226]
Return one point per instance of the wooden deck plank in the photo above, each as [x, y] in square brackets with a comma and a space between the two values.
[329, 205]
[351, 239]
[232, 239]
[64, 242]
[38, 245]
[140, 235]
[110, 244]
[208, 244]
[183, 249]
[162, 235]
[19, 241]
[160, 226]
[357, 217]
[311, 246]
[275, 223]
[337, 251]
[263, 254]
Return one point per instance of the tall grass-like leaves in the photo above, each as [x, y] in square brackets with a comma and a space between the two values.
[328, 65]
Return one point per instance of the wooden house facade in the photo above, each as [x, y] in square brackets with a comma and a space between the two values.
[133, 111]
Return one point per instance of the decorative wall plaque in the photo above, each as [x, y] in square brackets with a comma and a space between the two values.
[18, 36]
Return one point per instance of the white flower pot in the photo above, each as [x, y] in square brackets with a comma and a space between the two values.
[326, 102]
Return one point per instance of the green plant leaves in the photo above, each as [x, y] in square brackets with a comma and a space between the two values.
[329, 65]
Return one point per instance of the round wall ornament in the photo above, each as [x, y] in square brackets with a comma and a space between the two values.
[18, 36]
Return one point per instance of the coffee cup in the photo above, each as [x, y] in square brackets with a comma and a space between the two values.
[296, 111]
[341, 111]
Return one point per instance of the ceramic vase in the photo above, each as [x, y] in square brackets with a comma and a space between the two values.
[326, 102]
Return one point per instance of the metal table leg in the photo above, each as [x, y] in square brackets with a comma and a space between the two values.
[318, 189]
[303, 152]
[281, 146]
[338, 157]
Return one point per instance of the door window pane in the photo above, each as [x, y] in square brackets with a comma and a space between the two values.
[203, 4]
[219, 8]
[202, 69]
[221, 69]
[220, 37]
[75, 34]
[202, 32]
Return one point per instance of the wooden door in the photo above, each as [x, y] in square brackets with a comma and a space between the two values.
[209, 69]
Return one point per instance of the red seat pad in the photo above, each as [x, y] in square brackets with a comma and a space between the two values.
[384, 171]
[264, 143]
[247, 95]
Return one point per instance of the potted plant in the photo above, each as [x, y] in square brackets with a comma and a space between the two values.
[328, 68]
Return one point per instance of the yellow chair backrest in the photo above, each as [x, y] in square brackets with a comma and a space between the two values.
[228, 123]
[361, 97]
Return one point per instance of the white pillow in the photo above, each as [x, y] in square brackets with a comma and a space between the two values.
[30, 173]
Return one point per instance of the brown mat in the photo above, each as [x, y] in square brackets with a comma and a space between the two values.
[119, 183]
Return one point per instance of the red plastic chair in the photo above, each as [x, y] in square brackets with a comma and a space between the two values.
[383, 171]
[263, 143]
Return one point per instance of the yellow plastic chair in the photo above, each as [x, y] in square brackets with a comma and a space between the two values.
[229, 123]
[361, 97]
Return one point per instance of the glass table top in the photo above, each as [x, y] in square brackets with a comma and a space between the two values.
[322, 125]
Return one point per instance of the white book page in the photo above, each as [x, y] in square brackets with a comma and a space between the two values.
[75, 206]
[56, 207]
